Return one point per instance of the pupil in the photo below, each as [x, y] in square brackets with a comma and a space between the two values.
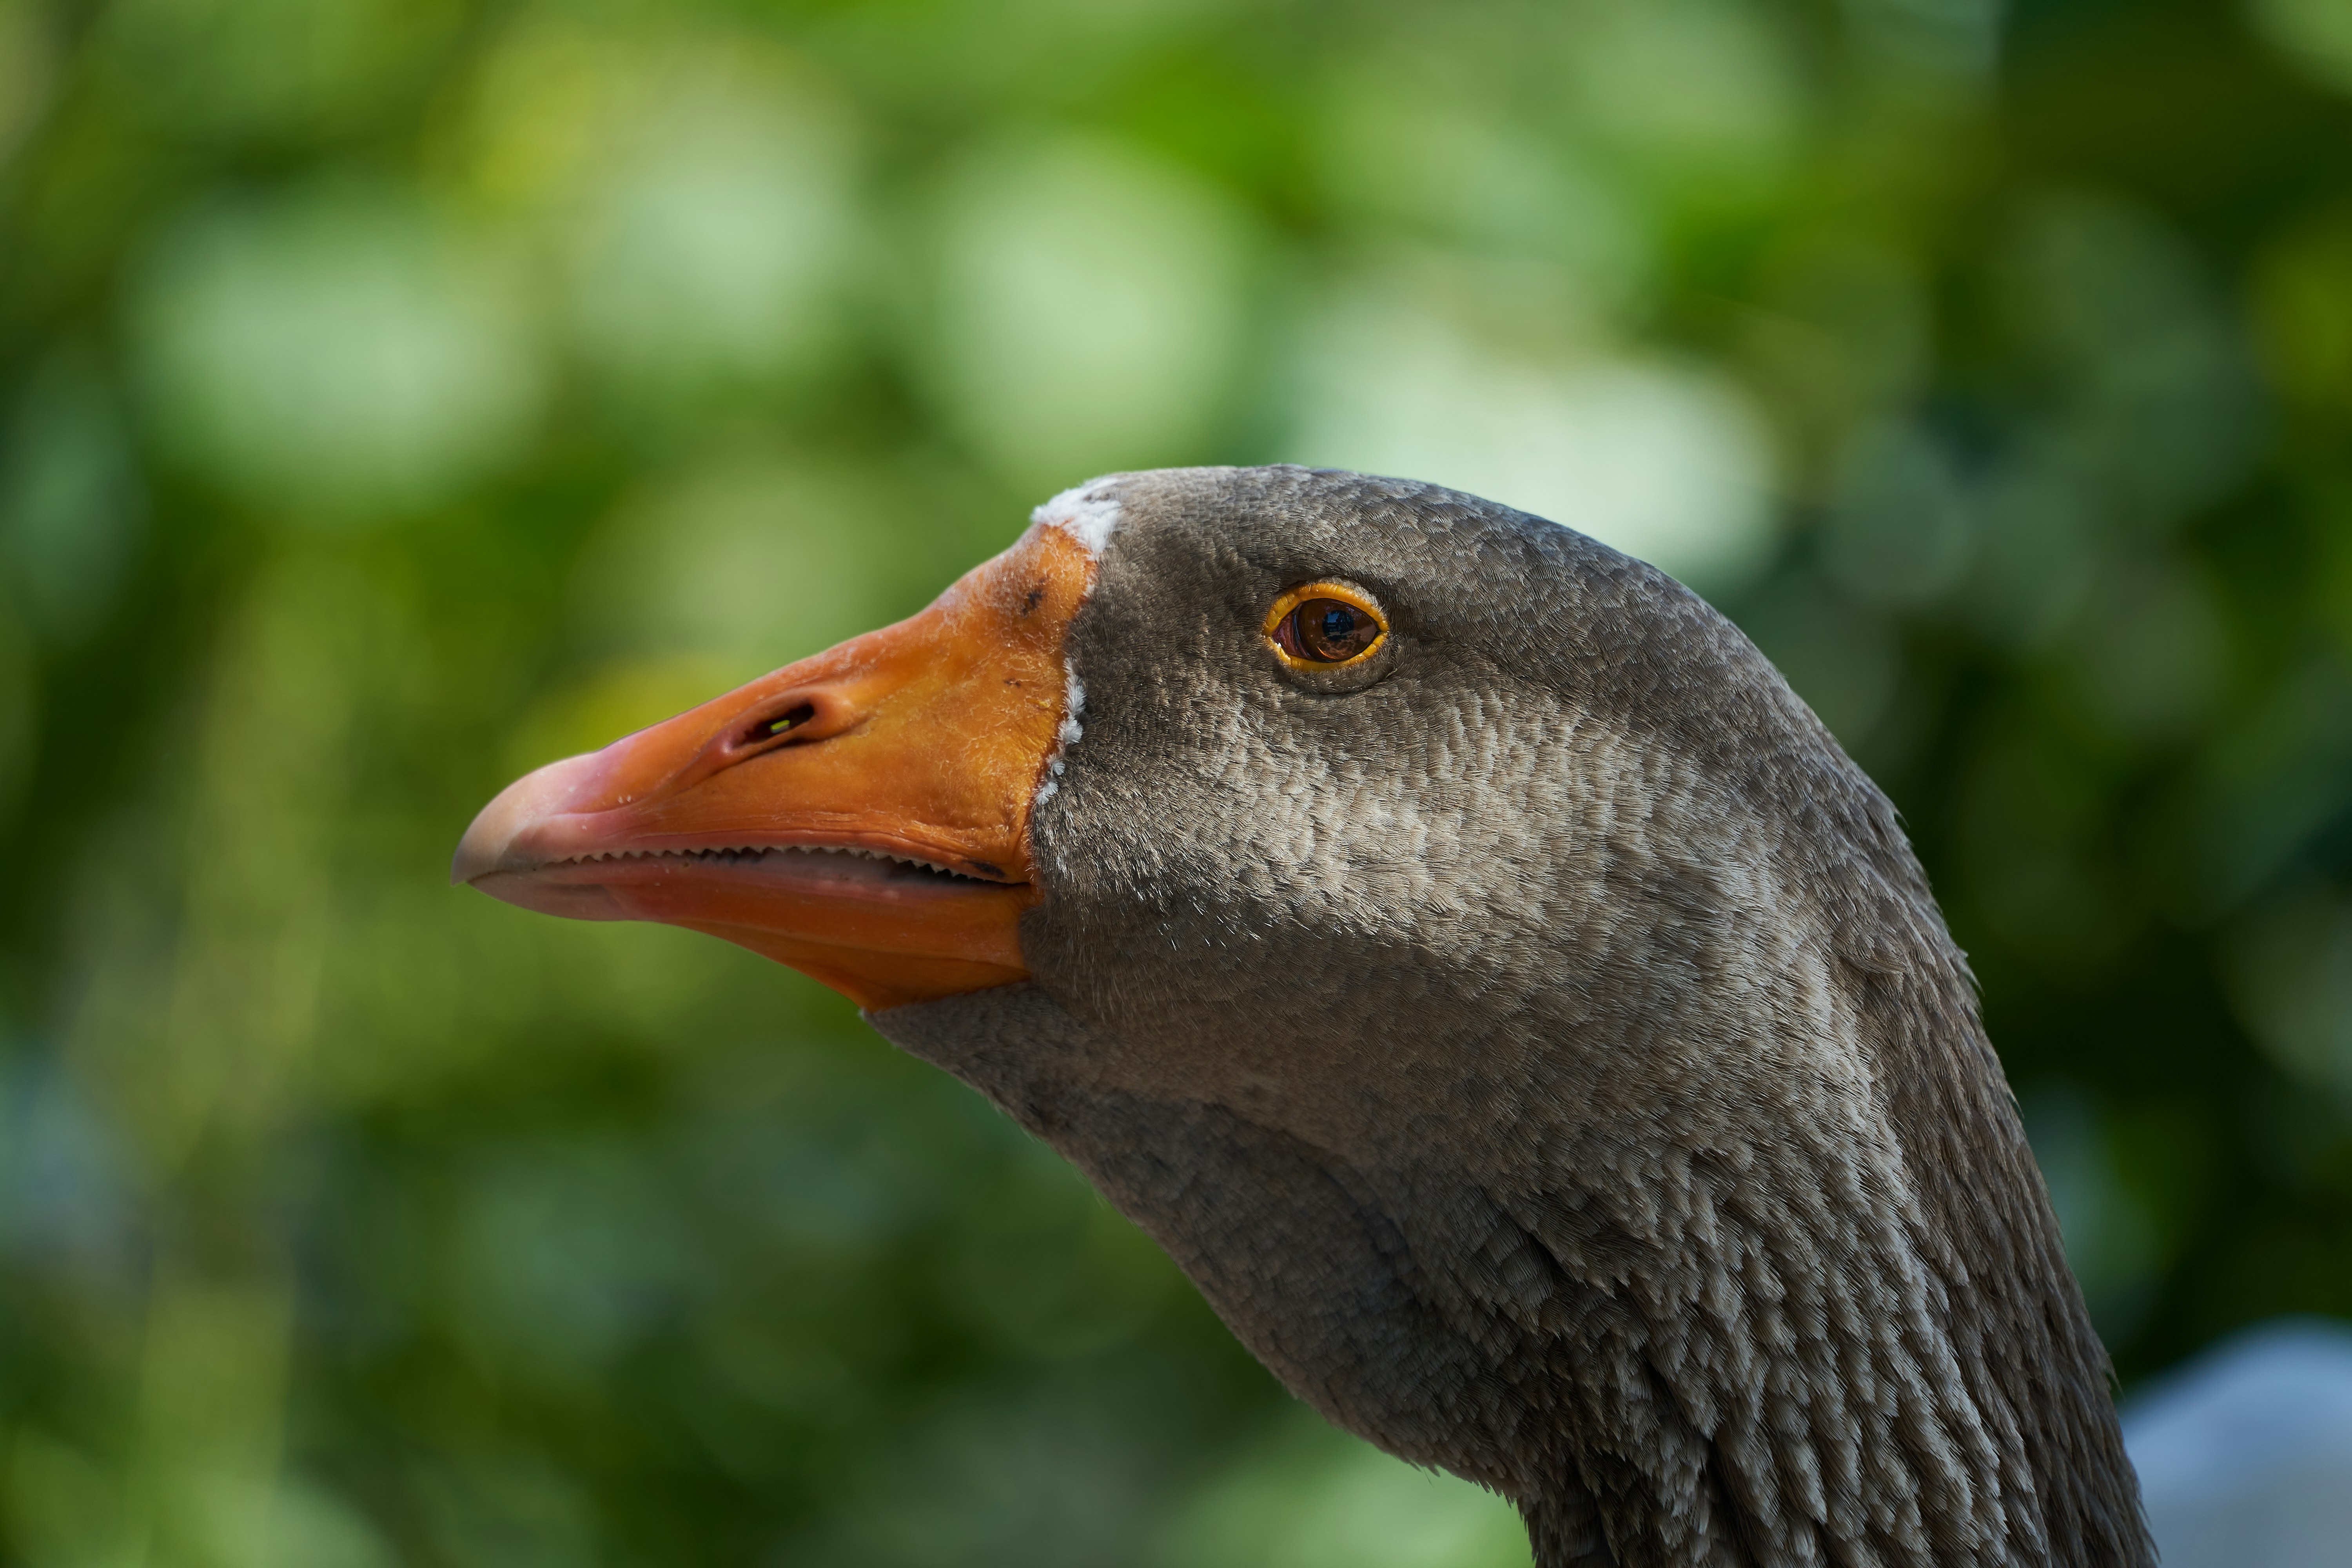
[1338, 624]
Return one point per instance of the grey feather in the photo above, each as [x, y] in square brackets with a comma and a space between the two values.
[1542, 1048]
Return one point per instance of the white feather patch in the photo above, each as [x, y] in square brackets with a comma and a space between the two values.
[1074, 705]
[1087, 513]
[1077, 698]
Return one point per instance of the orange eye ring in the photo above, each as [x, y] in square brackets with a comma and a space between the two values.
[1325, 624]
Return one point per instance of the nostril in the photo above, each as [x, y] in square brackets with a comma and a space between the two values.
[764, 730]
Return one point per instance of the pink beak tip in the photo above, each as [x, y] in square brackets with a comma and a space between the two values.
[559, 787]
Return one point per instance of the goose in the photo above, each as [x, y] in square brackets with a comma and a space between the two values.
[1453, 942]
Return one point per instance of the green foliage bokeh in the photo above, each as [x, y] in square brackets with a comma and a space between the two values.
[395, 396]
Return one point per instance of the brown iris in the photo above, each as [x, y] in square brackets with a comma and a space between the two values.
[1324, 624]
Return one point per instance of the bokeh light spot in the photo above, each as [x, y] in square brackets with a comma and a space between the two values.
[334, 356]
[1087, 309]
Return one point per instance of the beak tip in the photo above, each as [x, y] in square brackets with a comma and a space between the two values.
[484, 846]
[523, 805]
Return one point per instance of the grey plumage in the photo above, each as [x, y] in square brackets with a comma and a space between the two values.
[1542, 1048]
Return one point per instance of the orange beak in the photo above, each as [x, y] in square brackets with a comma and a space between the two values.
[862, 816]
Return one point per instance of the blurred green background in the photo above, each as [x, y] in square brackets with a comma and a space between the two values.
[395, 394]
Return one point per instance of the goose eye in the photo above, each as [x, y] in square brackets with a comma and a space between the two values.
[1325, 623]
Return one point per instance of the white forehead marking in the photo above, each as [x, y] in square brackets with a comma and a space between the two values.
[1087, 513]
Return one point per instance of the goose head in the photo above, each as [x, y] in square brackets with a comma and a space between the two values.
[1453, 942]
